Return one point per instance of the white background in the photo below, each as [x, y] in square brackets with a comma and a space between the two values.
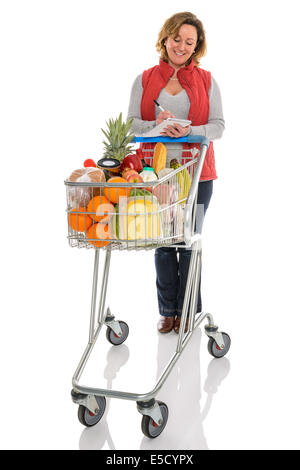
[67, 67]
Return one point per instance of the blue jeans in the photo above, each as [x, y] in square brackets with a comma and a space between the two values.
[172, 264]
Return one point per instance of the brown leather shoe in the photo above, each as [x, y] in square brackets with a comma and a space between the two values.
[165, 324]
[177, 325]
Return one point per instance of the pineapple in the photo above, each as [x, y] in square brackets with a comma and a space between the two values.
[117, 144]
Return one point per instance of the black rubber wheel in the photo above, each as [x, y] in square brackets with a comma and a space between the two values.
[214, 349]
[113, 338]
[150, 428]
[87, 418]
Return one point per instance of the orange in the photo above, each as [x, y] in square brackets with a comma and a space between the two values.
[98, 231]
[100, 209]
[79, 222]
[113, 194]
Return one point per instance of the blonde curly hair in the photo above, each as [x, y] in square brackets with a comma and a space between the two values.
[171, 28]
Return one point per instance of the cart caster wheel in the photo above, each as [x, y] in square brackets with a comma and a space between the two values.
[214, 349]
[150, 428]
[113, 338]
[87, 418]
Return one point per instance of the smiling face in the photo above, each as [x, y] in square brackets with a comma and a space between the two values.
[181, 47]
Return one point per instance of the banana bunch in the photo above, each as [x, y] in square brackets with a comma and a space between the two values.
[183, 179]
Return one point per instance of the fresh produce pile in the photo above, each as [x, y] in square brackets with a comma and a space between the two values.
[122, 209]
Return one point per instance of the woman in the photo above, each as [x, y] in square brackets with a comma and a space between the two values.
[187, 92]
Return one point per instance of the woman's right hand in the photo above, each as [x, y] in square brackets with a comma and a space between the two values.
[162, 116]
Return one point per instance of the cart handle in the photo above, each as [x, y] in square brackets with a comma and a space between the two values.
[190, 139]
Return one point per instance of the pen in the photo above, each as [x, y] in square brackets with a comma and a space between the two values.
[160, 107]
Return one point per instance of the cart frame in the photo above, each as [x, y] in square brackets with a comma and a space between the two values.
[146, 403]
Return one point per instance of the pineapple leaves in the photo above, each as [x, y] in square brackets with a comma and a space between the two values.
[118, 138]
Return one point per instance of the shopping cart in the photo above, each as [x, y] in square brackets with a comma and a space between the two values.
[139, 216]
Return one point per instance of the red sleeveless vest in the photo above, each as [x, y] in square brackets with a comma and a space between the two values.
[196, 83]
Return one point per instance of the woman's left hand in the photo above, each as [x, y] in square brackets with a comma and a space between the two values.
[176, 131]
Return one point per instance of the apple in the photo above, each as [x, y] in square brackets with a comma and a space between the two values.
[127, 170]
[129, 173]
[134, 178]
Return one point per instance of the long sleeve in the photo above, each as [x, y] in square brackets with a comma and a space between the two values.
[215, 125]
[138, 126]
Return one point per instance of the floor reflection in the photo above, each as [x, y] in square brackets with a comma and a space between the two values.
[188, 401]
[183, 395]
[98, 436]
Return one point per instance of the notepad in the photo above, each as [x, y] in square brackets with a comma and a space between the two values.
[155, 132]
